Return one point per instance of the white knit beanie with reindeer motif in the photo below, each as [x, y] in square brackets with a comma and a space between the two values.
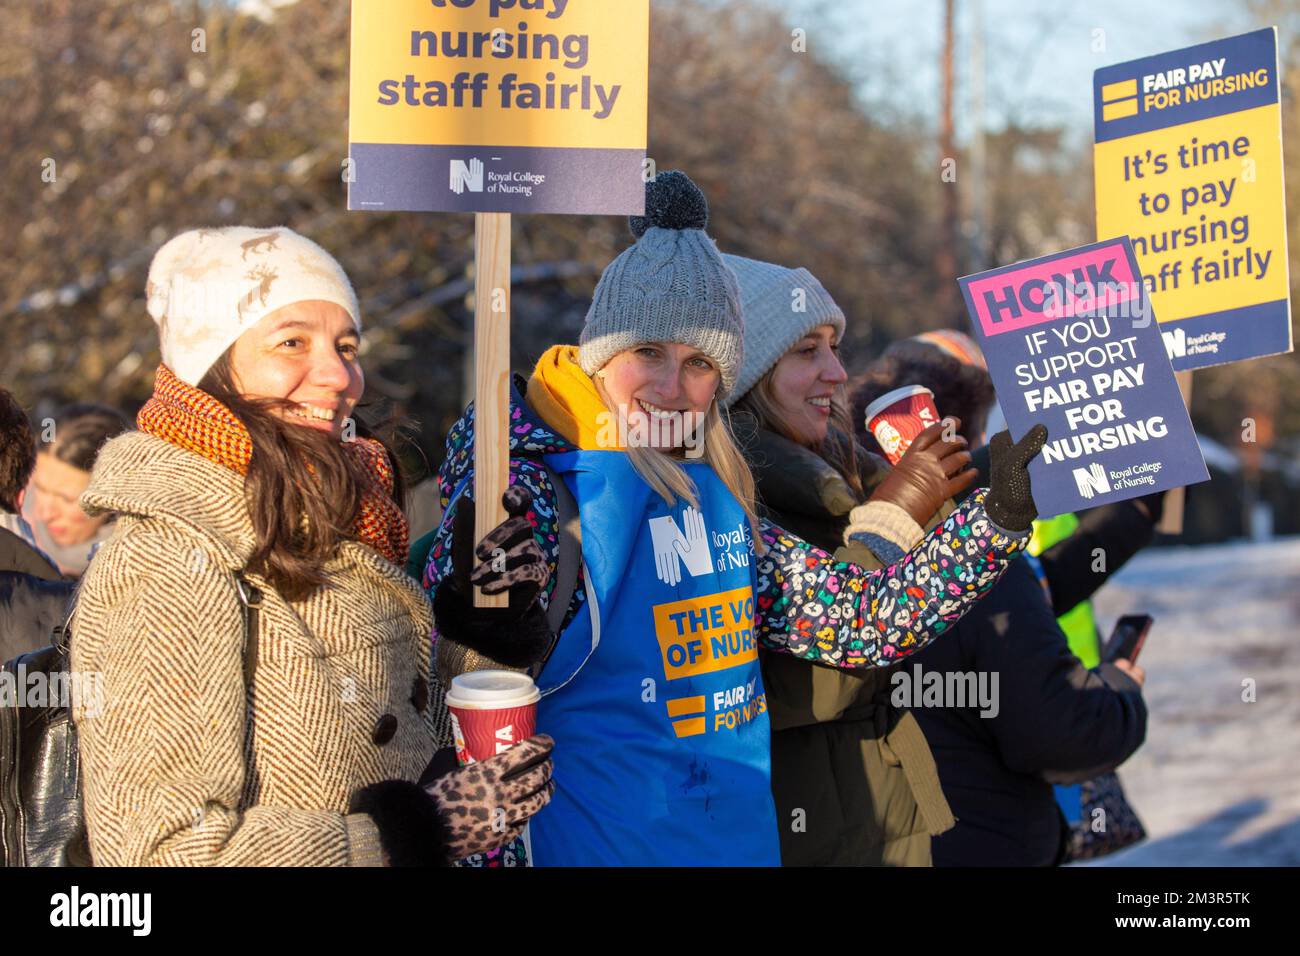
[208, 286]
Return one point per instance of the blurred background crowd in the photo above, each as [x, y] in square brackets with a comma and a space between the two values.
[818, 130]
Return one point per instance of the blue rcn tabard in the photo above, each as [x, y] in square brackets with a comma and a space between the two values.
[653, 693]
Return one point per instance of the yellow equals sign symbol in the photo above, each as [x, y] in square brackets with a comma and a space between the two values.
[683, 707]
[1119, 100]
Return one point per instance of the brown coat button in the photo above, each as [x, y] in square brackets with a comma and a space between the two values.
[420, 693]
[385, 729]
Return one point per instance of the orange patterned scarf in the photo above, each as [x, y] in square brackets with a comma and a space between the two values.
[190, 418]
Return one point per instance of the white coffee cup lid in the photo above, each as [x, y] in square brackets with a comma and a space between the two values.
[889, 398]
[484, 690]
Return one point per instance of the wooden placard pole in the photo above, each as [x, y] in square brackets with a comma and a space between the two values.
[1171, 521]
[491, 378]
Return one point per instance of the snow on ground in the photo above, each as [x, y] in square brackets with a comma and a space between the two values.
[1217, 782]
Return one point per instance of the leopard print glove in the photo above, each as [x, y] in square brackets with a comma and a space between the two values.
[485, 805]
[511, 558]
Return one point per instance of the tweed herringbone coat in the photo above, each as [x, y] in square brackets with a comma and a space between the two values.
[184, 765]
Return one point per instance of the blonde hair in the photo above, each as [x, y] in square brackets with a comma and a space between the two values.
[839, 448]
[663, 472]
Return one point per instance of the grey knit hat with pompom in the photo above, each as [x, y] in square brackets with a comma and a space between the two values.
[670, 286]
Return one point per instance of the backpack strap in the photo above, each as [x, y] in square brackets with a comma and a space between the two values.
[568, 561]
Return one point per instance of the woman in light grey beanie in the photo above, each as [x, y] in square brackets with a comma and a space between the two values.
[831, 730]
[792, 382]
[781, 306]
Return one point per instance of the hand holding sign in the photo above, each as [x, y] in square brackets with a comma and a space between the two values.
[512, 565]
[495, 107]
[1010, 503]
[1070, 342]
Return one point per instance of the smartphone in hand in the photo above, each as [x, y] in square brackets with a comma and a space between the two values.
[1128, 637]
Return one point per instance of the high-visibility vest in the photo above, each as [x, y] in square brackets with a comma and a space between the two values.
[1078, 623]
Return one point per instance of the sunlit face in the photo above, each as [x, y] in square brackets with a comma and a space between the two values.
[803, 382]
[55, 487]
[306, 353]
[658, 383]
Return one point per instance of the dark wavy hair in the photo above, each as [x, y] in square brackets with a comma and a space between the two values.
[303, 492]
[960, 390]
[17, 451]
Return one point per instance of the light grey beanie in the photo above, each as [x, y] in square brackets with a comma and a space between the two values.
[670, 286]
[781, 306]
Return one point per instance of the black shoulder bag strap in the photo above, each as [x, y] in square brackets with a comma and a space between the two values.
[567, 564]
[250, 596]
[62, 634]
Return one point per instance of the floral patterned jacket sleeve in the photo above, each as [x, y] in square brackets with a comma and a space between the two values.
[833, 612]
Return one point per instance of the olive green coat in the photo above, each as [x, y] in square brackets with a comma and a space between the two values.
[853, 778]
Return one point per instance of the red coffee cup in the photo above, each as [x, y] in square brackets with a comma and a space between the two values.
[897, 417]
[491, 711]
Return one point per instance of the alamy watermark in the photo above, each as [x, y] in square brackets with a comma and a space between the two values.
[66, 689]
[962, 689]
[1093, 293]
[130, 910]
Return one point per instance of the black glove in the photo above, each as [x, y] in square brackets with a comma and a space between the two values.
[1010, 502]
[512, 561]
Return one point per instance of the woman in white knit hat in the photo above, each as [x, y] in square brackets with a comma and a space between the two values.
[857, 767]
[264, 658]
[652, 685]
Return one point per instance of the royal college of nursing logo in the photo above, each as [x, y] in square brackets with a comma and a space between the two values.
[1175, 343]
[1091, 480]
[466, 175]
[675, 546]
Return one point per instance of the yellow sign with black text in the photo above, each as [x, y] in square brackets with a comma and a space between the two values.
[499, 105]
[1188, 164]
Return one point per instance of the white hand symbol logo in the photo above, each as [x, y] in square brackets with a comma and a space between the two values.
[663, 532]
[693, 546]
[670, 545]
[1091, 480]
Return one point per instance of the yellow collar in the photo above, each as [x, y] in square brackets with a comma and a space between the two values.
[566, 398]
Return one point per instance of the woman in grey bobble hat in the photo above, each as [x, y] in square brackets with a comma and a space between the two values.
[652, 687]
[672, 285]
